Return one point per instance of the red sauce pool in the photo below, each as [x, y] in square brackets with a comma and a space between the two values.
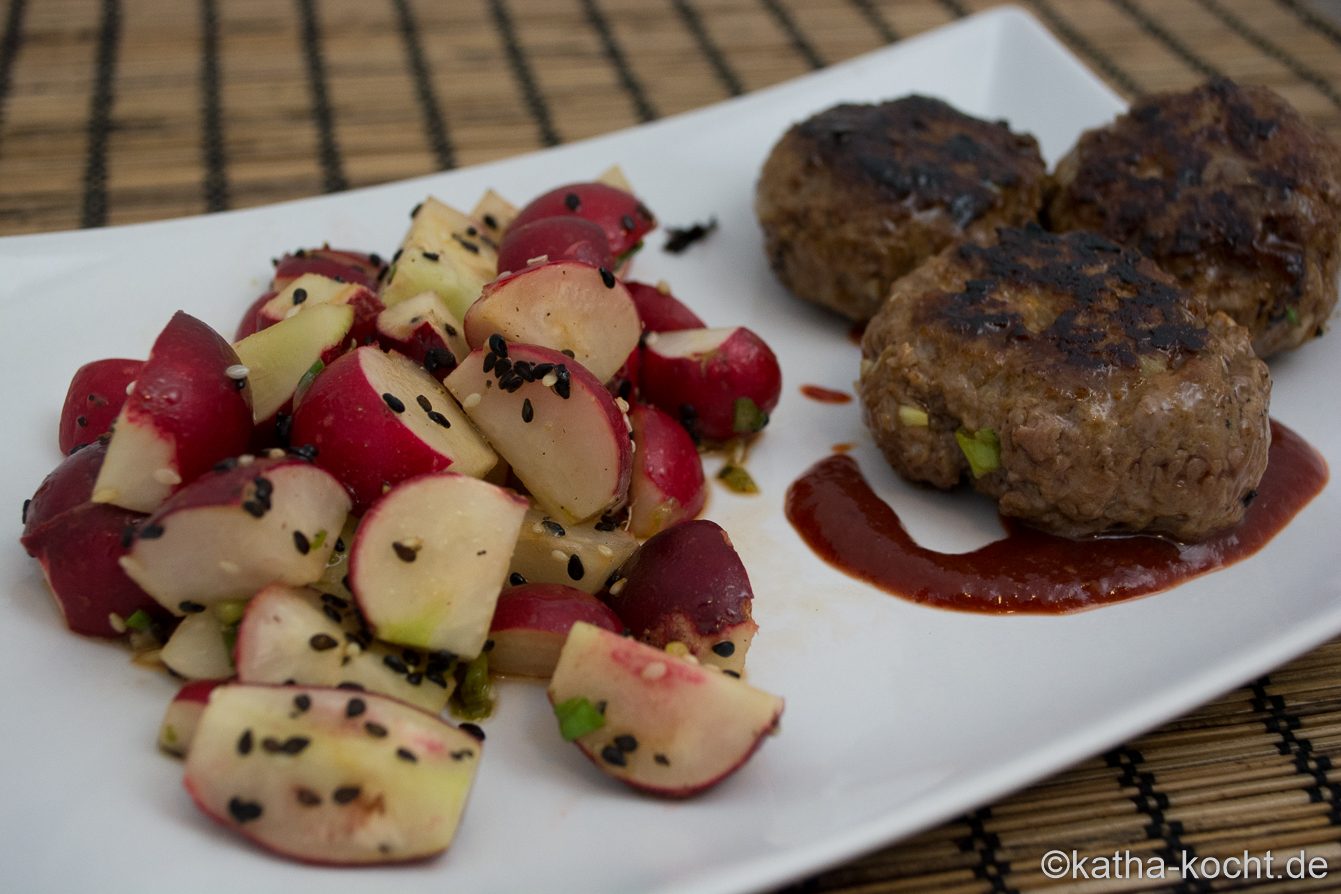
[825, 395]
[838, 515]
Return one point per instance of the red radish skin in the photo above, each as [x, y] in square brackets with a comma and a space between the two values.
[185, 414]
[424, 330]
[688, 585]
[79, 551]
[555, 239]
[97, 393]
[368, 445]
[68, 485]
[252, 321]
[351, 266]
[709, 370]
[182, 716]
[661, 311]
[623, 218]
[532, 621]
[668, 485]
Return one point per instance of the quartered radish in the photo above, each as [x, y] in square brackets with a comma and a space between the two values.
[330, 776]
[531, 623]
[564, 305]
[424, 330]
[430, 558]
[278, 356]
[183, 716]
[200, 649]
[93, 400]
[238, 529]
[581, 555]
[561, 431]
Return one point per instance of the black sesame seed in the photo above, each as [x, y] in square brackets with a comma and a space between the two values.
[283, 427]
[614, 576]
[350, 685]
[612, 755]
[406, 754]
[601, 706]
[376, 730]
[563, 388]
[271, 745]
[524, 369]
[573, 201]
[226, 465]
[604, 526]
[424, 403]
[528, 411]
[81, 421]
[626, 222]
[516, 579]
[190, 608]
[355, 707]
[575, 569]
[301, 543]
[488, 646]
[567, 352]
[346, 794]
[553, 528]
[339, 545]
[626, 389]
[626, 743]
[151, 532]
[439, 358]
[244, 743]
[253, 508]
[299, 296]
[127, 533]
[471, 729]
[540, 370]
[396, 257]
[471, 231]
[394, 403]
[241, 383]
[295, 744]
[435, 416]
[395, 664]
[490, 221]
[608, 278]
[498, 345]
[412, 658]
[414, 212]
[405, 553]
[334, 600]
[513, 384]
[76, 448]
[243, 811]
[321, 642]
[306, 451]
[463, 753]
[375, 259]
[661, 759]
[307, 797]
[431, 255]
[302, 702]
[345, 581]
[489, 361]
[731, 674]
[435, 677]
[332, 613]
[466, 244]
[725, 648]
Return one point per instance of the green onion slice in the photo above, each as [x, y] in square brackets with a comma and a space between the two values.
[577, 717]
[982, 449]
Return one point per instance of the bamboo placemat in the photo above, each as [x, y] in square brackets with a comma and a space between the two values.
[116, 111]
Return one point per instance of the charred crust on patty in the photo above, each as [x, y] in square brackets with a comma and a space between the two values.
[1228, 188]
[858, 195]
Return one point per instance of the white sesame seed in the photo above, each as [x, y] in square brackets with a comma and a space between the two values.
[472, 400]
[116, 623]
[654, 671]
[550, 380]
[537, 528]
[559, 555]
[237, 371]
[130, 388]
[605, 550]
[622, 404]
[246, 459]
[167, 476]
[663, 287]
[276, 453]
[538, 259]
[618, 586]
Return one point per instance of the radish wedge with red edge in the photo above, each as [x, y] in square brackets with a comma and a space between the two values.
[291, 634]
[532, 621]
[238, 529]
[624, 219]
[330, 776]
[554, 422]
[277, 357]
[96, 395]
[377, 419]
[668, 486]
[190, 408]
[183, 715]
[727, 376]
[659, 723]
[423, 329]
[430, 558]
[581, 555]
[564, 305]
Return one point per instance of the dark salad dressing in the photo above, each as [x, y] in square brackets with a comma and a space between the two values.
[837, 514]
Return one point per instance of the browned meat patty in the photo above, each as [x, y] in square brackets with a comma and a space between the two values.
[858, 195]
[1229, 189]
[1117, 402]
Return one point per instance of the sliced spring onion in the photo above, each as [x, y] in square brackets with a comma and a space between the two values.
[577, 717]
[982, 449]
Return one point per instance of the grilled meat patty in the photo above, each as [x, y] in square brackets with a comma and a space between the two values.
[859, 195]
[1230, 190]
[1117, 401]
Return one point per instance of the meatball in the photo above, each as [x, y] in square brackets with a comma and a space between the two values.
[1229, 189]
[858, 195]
[1091, 392]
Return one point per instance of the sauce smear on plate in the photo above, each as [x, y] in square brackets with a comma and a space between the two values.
[846, 524]
[825, 395]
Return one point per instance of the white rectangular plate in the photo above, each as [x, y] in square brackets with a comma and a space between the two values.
[897, 716]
